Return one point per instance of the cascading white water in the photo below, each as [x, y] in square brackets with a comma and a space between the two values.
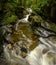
[43, 54]
[24, 20]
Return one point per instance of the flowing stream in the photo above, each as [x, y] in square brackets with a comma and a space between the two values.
[26, 48]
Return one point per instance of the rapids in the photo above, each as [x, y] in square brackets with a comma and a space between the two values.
[39, 50]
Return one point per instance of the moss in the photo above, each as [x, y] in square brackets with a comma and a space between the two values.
[35, 18]
[8, 20]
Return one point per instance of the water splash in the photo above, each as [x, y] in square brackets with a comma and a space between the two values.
[44, 52]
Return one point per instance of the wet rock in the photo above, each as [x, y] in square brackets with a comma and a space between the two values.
[23, 49]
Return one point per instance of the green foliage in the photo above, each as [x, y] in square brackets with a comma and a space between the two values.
[10, 19]
[44, 8]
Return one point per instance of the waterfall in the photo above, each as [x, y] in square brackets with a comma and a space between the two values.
[43, 54]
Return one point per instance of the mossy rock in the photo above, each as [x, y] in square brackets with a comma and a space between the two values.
[52, 26]
[35, 18]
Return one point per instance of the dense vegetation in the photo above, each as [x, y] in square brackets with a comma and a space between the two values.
[9, 9]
